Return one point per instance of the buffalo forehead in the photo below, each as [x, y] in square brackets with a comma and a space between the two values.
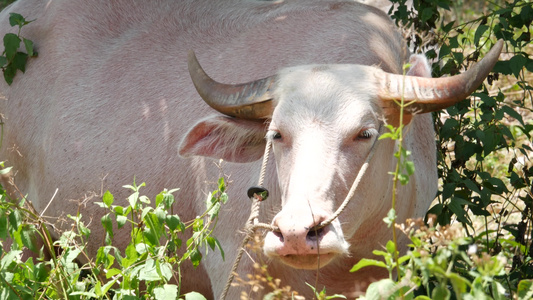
[328, 92]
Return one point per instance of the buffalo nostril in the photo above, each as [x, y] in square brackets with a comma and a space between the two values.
[279, 235]
[314, 233]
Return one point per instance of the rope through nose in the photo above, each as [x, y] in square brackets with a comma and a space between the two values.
[252, 224]
[350, 195]
[355, 183]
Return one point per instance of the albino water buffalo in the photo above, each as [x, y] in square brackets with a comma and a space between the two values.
[110, 97]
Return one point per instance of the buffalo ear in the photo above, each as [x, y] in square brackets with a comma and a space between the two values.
[231, 139]
[419, 66]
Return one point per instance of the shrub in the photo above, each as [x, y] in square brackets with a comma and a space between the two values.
[143, 270]
[484, 166]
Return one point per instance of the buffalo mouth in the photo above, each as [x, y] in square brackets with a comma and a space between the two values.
[307, 261]
[307, 249]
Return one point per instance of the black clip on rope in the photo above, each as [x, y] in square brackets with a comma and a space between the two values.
[259, 191]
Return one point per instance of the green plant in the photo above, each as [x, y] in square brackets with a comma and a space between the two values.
[4, 3]
[147, 268]
[441, 263]
[495, 126]
[12, 59]
[322, 294]
[486, 254]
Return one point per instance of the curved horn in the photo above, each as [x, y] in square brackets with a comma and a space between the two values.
[252, 100]
[432, 94]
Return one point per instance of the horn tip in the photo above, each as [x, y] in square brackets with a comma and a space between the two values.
[498, 46]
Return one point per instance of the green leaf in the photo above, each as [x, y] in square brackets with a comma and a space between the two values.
[16, 19]
[151, 236]
[164, 270]
[144, 199]
[390, 218]
[87, 294]
[471, 186]
[404, 179]
[224, 198]
[221, 184]
[403, 259]
[108, 198]
[479, 33]
[517, 63]
[512, 113]
[108, 225]
[15, 219]
[173, 221]
[9, 73]
[498, 291]
[142, 248]
[448, 27]
[19, 61]
[70, 255]
[165, 198]
[3, 226]
[121, 220]
[410, 167]
[103, 256]
[146, 211]
[194, 296]
[131, 256]
[148, 271]
[41, 272]
[456, 206]
[422, 297]
[220, 248]
[108, 286]
[391, 247]
[161, 214]
[28, 44]
[11, 44]
[380, 290]
[28, 236]
[441, 293]
[427, 13]
[167, 292]
[112, 272]
[459, 283]
[12, 256]
[365, 262]
[132, 200]
[196, 257]
[211, 242]
[131, 187]
[525, 289]
[213, 212]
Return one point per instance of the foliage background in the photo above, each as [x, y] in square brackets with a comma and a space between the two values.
[4, 3]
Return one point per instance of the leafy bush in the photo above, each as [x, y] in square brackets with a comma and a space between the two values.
[12, 59]
[143, 270]
[4, 3]
[484, 166]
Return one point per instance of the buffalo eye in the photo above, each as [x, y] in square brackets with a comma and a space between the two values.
[274, 135]
[365, 135]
